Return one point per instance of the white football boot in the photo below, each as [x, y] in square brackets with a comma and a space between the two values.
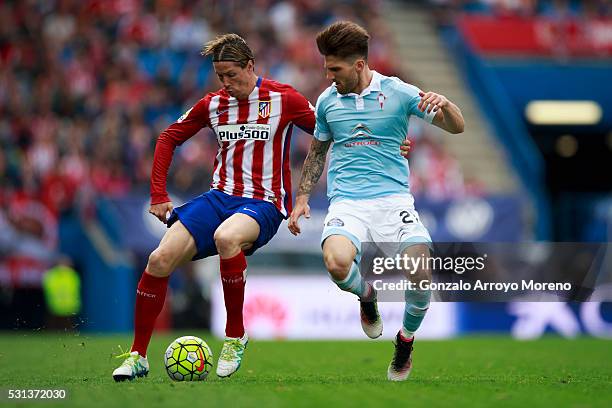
[133, 366]
[371, 322]
[231, 355]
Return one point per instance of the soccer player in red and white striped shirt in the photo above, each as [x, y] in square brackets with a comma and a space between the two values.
[252, 118]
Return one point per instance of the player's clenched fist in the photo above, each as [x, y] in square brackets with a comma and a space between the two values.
[431, 101]
[161, 210]
[301, 208]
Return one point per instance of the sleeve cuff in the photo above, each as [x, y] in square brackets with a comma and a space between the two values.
[322, 136]
[159, 198]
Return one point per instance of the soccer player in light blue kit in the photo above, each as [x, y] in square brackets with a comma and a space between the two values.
[364, 116]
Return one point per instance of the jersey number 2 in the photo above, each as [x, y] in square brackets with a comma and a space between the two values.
[408, 217]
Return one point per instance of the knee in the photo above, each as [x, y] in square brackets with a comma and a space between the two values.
[338, 266]
[160, 263]
[225, 241]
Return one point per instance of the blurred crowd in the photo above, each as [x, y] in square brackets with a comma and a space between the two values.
[555, 9]
[87, 85]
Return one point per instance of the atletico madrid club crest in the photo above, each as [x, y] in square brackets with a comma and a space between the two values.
[264, 109]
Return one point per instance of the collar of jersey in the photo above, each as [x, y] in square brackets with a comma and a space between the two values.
[373, 87]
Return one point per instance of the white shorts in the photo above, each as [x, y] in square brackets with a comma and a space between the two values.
[391, 219]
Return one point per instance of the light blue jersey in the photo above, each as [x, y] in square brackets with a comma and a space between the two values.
[367, 131]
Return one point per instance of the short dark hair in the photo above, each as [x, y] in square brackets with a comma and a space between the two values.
[229, 47]
[344, 39]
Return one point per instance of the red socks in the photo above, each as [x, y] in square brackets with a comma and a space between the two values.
[233, 279]
[150, 297]
[151, 294]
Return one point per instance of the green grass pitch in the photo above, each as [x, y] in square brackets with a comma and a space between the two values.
[467, 372]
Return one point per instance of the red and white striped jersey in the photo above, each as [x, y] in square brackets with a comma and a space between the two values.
[254, 137]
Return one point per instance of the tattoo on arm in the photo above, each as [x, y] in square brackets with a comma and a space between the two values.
[313, 166]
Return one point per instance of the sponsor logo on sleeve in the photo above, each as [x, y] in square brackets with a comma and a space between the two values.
[184, 116]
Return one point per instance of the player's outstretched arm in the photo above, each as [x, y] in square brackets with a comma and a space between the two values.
[448, 115]
[311, 172]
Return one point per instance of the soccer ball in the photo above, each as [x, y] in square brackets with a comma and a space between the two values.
[188, 358]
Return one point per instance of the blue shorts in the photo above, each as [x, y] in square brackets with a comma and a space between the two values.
[203, 215]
